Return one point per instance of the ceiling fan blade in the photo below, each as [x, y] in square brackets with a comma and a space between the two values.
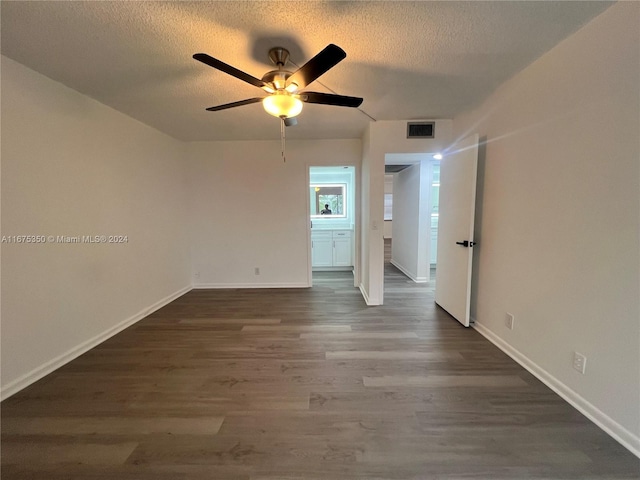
[233, 71]
[248, 101]
[323, 61]
[330, 99]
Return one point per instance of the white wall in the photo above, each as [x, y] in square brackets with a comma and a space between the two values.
[365, 216]
[248, 209]
[380, 138]
[559, 220]
[72, 166]
[411, 213]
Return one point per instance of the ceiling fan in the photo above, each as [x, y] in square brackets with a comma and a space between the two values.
[284, 87]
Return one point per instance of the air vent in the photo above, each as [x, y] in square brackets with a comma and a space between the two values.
[420, 129]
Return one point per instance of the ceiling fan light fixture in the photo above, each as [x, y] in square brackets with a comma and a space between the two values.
[282, 105]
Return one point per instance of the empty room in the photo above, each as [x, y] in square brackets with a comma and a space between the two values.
[260, 240]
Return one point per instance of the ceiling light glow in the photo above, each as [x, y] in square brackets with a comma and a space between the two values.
[282, 105]
[291, 88]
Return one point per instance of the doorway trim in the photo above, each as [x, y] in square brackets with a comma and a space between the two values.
[356, 237]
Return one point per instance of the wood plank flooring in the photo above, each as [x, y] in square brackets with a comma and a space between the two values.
[301, 384]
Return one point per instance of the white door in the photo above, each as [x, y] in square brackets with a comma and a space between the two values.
[458, 172]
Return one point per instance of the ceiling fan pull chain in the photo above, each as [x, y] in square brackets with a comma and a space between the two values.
[284, 158]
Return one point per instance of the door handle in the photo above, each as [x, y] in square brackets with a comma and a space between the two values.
[467, 243]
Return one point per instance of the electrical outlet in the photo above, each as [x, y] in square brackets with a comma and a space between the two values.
[256, 271]
[508, 321]
[579, 362]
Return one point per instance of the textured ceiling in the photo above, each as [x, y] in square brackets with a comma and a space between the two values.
[408, 60]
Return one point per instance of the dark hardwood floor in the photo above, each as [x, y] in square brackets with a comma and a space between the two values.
[301, 384]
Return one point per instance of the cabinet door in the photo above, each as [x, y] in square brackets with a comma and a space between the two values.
[321, 252]
[342, 252]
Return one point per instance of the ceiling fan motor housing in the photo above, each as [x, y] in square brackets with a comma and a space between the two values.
[278, 78]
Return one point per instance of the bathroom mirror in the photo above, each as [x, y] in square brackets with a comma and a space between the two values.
[328, 200]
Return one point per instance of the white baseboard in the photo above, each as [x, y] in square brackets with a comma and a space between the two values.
[202, 286]
[626, 438]
[408, 273]
[371, 302]
[364, 293]
[332, 269]
[45, 369]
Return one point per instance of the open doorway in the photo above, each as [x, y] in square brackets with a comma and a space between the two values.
[332, 214]
[412, 184]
